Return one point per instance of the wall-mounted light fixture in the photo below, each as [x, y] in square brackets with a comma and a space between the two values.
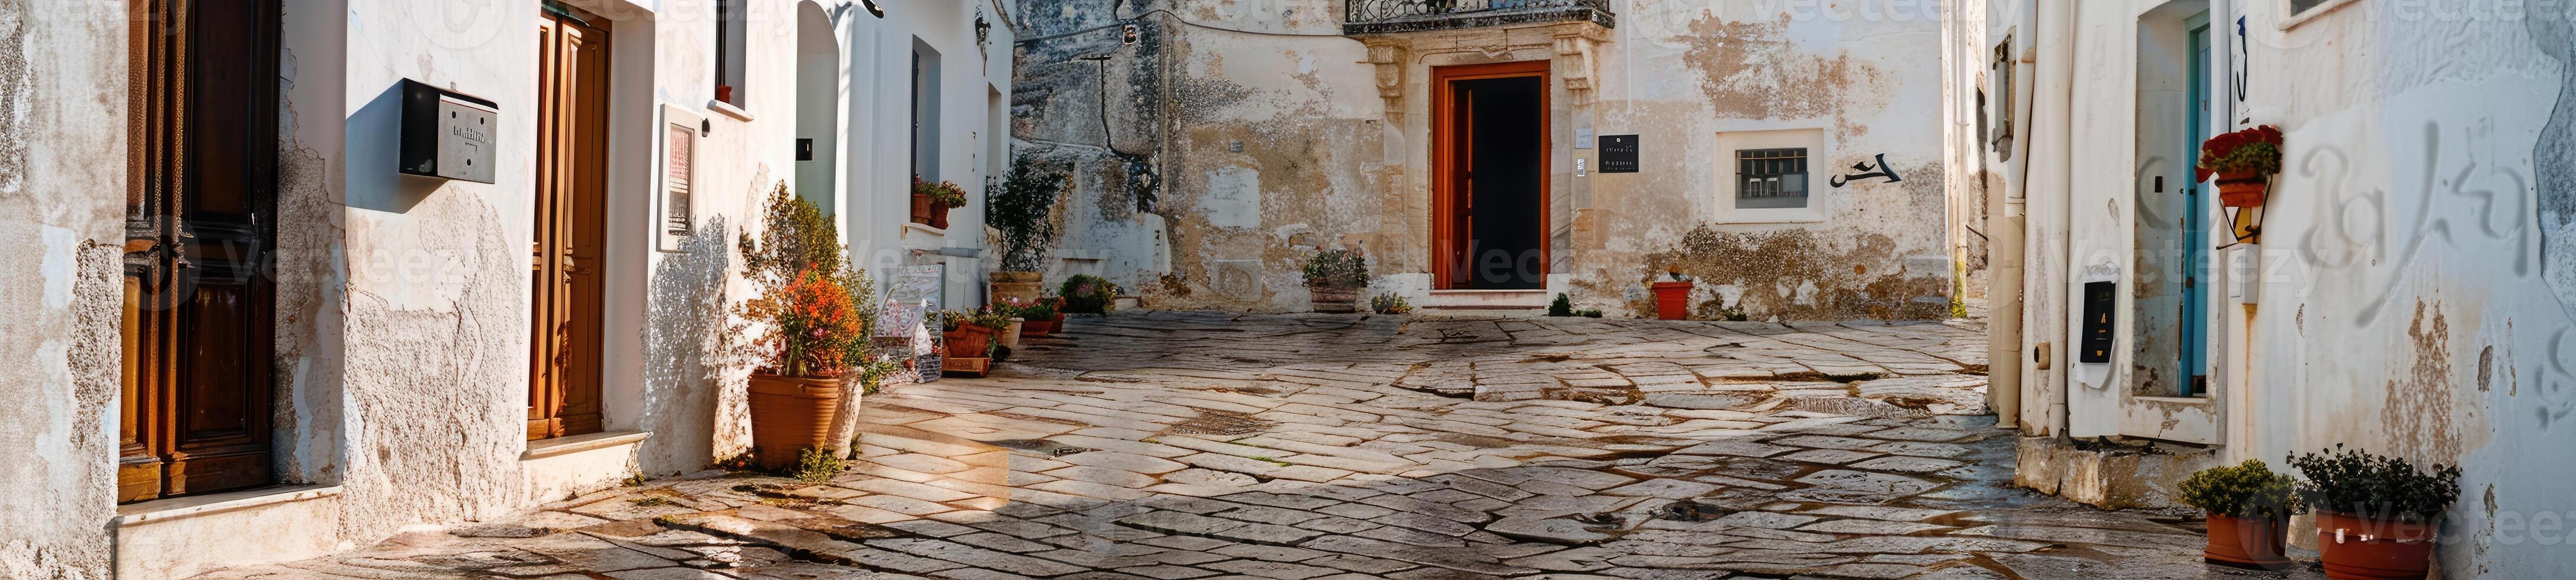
[872, 8]
[1129, 35]
[983, 28]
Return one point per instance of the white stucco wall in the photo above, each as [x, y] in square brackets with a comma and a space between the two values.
[2408, 299]
[62, 213]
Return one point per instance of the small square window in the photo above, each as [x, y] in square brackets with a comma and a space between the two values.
[1771, 178]
[2298, 7]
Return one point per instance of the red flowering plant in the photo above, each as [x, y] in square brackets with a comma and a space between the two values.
[2255, 151]
[814, 328]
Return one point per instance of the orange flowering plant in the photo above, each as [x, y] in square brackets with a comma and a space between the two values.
[814, 315]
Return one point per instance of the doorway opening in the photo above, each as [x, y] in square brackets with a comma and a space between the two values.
[201, 226]
[2173, 208]
[1490, 171]
[571, 215]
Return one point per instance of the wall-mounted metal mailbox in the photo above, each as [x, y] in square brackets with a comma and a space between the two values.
[447, 134]
[2096, 337]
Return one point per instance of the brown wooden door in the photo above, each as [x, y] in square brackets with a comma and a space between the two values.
[199, 265]
[572, 120]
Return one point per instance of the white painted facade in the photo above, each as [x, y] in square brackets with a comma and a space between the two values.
[402, 339]
[2407, 294]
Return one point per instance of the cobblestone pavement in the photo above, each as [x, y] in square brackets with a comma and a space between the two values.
[1205, 445]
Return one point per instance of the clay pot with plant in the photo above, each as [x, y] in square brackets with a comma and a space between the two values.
[1039, 318]
[2377, 516]
[1018, 208]
[1672, 294]
[1334, 279]
[932, 200]
[2244, 162]
[2249, 510]
[808, 330]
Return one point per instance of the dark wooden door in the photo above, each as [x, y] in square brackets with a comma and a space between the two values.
[571, 212]
[199, 263]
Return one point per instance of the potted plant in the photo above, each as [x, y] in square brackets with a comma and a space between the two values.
[809, 328]
[1335, 278]
[2377, 516]
[2249, 509]
[2244, 162]
[1019, 209]
[1086, 294]
[1039, 318]
[932, 200]
[969, 339]
[1672, 297]
[1389, 304]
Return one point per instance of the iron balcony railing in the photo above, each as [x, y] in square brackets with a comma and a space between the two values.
[1381, 16]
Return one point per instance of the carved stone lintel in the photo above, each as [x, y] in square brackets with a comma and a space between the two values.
[1575, 55]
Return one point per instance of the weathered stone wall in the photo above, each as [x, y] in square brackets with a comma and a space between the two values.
[1234, 138]
[62, 191]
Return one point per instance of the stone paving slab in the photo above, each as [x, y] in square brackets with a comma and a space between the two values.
[1219, 446]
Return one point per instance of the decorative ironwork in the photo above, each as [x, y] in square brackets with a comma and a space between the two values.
[1380, 16]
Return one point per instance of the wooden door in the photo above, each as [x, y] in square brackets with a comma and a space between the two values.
[199, 265]
[1455, 155]
[564, 261]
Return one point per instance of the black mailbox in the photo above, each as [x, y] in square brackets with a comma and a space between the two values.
[447, 134]
[2099, 299]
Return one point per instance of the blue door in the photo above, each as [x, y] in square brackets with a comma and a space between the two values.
[2195, 234]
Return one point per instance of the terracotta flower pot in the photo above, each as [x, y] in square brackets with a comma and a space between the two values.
[1021, 287]
[939, 215]
[1059, 320]
[1335, 300]
[2251, 543]
[790, 415]
[2242, 189]
[2356, 548]
[1037, 328]
[969, 341]
[921, 209]
[1011, 336]
[1672, 300]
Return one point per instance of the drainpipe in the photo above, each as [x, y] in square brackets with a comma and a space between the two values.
[2058, 32]
[2003, 246]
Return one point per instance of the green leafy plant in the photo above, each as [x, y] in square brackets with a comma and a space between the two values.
[1088, 294]
[2244, 490]
[1338, 268]
[1589, 313]
[1039, 310]
[946, 194]
[2375, 486]
[1389, 304]
[1018, 208]
[816, 465]
[2256, 151]
[1562, 306]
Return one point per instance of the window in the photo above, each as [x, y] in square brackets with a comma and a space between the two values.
[2298, 7]
[2003, 103]
[1771, 178]
[729, 51]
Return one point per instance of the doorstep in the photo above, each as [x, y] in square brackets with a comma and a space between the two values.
[563, 467]
[185, 536]
[1487, 299]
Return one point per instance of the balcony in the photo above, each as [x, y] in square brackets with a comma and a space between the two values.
[1391, 16]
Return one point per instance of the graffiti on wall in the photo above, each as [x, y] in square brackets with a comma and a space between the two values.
[2458, 201]
[1875, 170]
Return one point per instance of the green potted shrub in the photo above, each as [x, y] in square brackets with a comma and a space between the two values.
[1018, 208]
[1389, 304]
[2249, 508]
[932, 200]
[2377, 516]
[1086, 294]
[1335, 278]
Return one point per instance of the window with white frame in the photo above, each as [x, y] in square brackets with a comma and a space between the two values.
[730, 58]
[1771, 178]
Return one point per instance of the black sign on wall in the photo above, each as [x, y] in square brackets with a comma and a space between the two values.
[1618, 153]
[2095, 345]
